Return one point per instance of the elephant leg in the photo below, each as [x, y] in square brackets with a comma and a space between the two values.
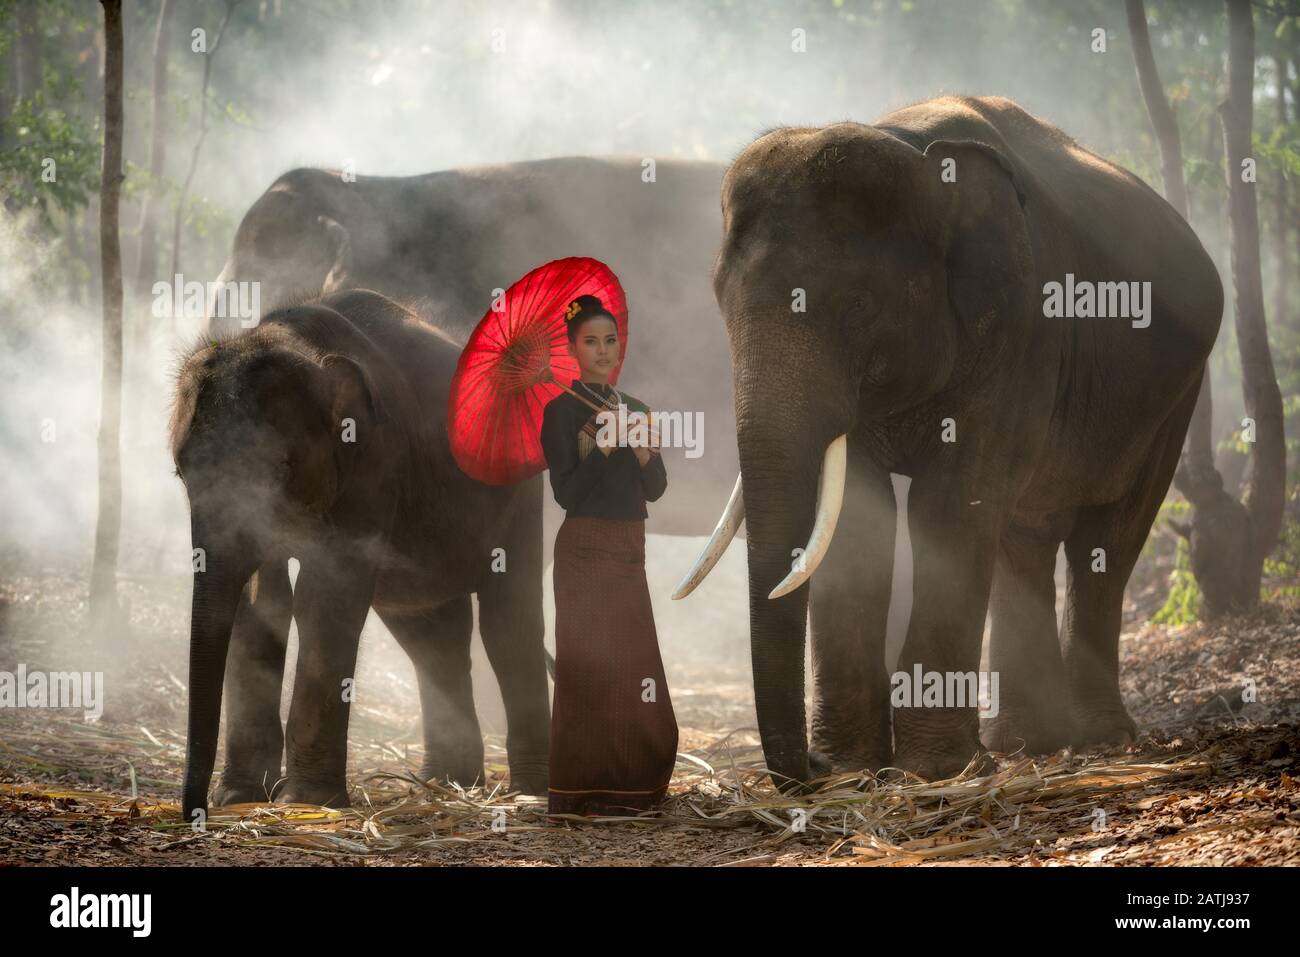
[1093, 617]
[511, 623]
[254, 676]
[1102, 550]
[1032, 712]
[955, 536]
[437, 642]
[331, 601]
[849, 610]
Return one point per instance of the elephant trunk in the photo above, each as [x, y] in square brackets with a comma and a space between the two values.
[218, 584]
[792, 461]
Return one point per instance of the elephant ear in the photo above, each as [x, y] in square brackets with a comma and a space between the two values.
[979, 211]
[351, 395]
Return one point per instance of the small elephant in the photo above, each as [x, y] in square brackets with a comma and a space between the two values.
[895, 296]
[321, 434]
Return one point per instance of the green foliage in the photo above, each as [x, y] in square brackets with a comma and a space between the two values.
[40, 133]
[1280, 150]
[1284, 565]
[1183, 605]
[1175, 509]
[1234, 443]
[204, 217]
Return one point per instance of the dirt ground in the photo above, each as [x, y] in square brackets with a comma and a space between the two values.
[1213, 780]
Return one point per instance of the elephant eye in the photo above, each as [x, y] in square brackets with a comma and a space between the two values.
[861, 307]
[864, 303]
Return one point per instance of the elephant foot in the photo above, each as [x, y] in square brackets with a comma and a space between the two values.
[242, 790]
[1020, 730]
[819, 765]
[318, 795]
[792, 771]
[466, 776]
[1103, 727]
[936, 744]
[848, 753]
[851, 761]
[933, 765]
[530, 780]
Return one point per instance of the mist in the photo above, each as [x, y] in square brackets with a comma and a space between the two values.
[405, 88]
[411, 87]
[436, 151]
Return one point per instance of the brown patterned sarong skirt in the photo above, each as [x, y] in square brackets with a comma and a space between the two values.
[613, 733]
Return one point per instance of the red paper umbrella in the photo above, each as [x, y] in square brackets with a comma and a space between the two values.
[516, 361]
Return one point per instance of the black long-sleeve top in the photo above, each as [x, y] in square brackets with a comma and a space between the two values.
[614, 486]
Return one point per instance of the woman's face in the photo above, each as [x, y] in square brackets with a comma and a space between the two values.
[596, 348]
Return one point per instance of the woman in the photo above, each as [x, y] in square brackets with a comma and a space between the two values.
[613, 734]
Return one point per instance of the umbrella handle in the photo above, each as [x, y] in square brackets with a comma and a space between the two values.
[595, 408]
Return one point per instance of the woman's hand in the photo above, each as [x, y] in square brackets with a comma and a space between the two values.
[605, 441]
[649, 445]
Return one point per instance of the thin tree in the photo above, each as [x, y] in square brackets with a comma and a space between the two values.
[1163, 121]
[203, 132]
[108, 527]
[29, 50]
[1218, 534]
[147, 256]
[1265, 491]
[1282, 204]
[1291, 319]
[8, 74]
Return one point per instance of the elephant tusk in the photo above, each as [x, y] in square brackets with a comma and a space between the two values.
[338, 276]
[830, 496]
[214, 290]
[722, 535]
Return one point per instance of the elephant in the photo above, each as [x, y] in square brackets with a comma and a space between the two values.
[450, 238]
[320, 434]
[892, 294]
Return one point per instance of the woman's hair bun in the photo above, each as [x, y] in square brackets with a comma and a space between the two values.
[580, 310]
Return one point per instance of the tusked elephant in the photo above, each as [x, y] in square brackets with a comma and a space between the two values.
[452, 237]
[930, 252]
[321, 434]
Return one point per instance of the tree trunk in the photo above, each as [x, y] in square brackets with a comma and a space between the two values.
[29, 50]
[103, 582]
[147, 256]
[1199, 454]
[1162, 115]
[1282, 218]
[8, 73]
[203, 132]
[1290, 61]
[1293, 60]
[1266, 489]
[1219, 534]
